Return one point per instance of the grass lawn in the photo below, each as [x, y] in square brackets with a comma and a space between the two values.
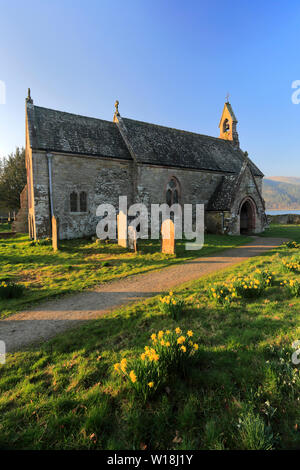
[278, 230]
[240, 392]
[5, 227]
[81, 264]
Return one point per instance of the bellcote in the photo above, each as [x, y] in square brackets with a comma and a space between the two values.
[228, 125]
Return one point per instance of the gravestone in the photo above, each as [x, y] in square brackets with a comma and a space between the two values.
[168, 237]
[132, 238]
[54, 233]
[122, 229]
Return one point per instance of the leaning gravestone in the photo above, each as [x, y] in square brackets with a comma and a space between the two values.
[122, 229]
[54, 233]
[168, 237]
[132, 238]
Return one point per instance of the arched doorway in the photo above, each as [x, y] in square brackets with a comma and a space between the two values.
[247, 217]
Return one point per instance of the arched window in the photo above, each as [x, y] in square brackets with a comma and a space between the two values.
[172, 192]
[73, 202]
[83, 201]
[169, 197]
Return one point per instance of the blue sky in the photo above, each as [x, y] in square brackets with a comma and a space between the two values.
[167, 62]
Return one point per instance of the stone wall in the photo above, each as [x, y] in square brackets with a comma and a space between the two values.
[196, 187]
[40, 193]
[102, 180]
[215, 222]
[284, 219]
[20, 224]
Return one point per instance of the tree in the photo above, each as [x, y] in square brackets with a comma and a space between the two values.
[12, 178]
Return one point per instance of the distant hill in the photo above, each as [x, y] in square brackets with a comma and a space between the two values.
[282, 192]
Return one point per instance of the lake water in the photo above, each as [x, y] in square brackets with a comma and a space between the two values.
[282, 212]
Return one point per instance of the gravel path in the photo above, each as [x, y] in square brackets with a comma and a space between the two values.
[52, 317]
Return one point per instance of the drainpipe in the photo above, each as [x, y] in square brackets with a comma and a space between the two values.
[49, 157]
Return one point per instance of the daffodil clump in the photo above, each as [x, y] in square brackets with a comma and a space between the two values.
[291, 264]
[292, 244]
[248, 287]
[242, 286]
[171, 305]
[293, 286]
[143, 374]
[265, 276]
[253, 286]
[175, 349]
[223, 294]
[10, 290]
[169, 353]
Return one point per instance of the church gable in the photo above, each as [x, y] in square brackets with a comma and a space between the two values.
[233, 187]
[246, 187]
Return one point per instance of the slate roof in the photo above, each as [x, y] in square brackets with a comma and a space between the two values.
[223, 195]
[159, 145]
[53, 130]
[69, 133]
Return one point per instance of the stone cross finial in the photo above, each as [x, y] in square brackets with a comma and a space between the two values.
[227, 98]
[117, 108]
[29, 99]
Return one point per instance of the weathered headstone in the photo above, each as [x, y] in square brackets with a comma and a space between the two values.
[168, 237]
[54, 233]
[132, 238]
[122, 229]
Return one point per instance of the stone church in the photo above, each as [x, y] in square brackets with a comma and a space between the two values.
[74, 163]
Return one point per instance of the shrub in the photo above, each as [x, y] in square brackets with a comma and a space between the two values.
[171, 305]
[170, 353]
[10, 290]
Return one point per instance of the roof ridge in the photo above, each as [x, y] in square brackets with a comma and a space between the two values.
[72, 114]
[133, 120]
[175, 129]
